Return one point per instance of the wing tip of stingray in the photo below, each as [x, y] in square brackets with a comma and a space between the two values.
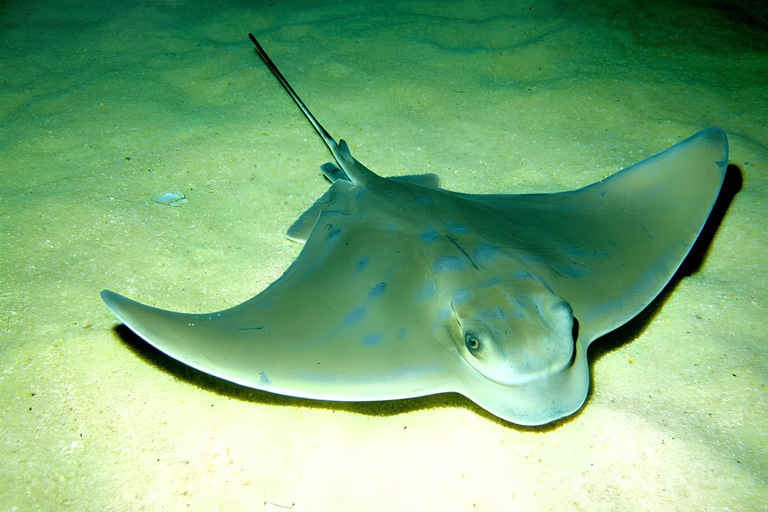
[111, 299]
[716, 134]
[119, 305]
[718, 141]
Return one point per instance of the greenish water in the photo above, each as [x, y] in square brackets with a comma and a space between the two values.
[103, 108]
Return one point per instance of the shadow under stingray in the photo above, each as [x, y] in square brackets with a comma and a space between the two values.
[599, 348]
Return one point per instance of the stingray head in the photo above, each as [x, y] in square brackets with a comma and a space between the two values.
[514, 331]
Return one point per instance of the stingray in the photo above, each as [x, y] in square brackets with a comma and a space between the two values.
[404, 289]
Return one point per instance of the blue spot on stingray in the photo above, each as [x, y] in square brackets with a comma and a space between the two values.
[458, 228]
[423, 200]
[491, 282]
[360, 193]
[362, 263]
[566, 271]
[498, 313]
[486, 253]
[461, 296]
[578, 251]
[448, 263]
[372, 339]
[429, 236]
[519, 313]
[333, 232]
[427, 292]
[402, 333]
[354, 317]
[444, 313]
[377, 291]
[263, 379]
[531, 258]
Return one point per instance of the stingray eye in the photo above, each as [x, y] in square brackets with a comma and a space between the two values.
[471, 342]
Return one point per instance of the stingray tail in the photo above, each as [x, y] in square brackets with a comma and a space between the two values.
[351, 169]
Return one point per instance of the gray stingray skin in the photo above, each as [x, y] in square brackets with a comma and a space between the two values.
[404, 289]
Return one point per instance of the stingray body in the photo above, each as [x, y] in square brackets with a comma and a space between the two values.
[404, 289]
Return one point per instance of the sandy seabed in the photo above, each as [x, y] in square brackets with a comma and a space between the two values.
[104, 107]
